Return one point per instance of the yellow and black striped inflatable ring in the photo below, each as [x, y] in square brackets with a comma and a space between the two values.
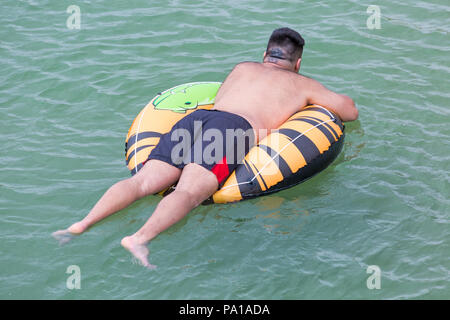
[301, 147]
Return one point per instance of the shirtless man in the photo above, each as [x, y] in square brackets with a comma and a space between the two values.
[258, 96]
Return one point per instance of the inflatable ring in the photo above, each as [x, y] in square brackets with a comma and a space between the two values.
[301, 147]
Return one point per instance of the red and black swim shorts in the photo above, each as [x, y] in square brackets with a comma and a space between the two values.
[216, 140]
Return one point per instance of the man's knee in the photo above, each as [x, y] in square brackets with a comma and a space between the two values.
[193, 198]
[142, 186]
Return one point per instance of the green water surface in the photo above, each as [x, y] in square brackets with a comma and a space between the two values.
[68, 97]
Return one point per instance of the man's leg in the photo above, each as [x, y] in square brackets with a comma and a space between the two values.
[155, 176]
[196, 184]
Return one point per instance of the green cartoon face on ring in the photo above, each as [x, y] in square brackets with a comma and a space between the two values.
[187, 96]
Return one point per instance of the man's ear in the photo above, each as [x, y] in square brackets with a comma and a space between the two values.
[264, 55]
[297, 65]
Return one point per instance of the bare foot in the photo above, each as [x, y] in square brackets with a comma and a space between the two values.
[139, 251]
[64, 236]
[77, 228]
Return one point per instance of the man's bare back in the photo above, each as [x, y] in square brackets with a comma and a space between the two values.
[267, 94]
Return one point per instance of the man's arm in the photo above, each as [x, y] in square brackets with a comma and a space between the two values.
[340, 104]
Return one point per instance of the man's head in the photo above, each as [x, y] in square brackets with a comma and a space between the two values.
[285, 49]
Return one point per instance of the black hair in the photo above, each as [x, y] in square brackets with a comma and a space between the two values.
[285, 44]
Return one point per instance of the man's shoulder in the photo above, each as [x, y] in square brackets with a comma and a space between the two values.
[305, 79]
[245, 64]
